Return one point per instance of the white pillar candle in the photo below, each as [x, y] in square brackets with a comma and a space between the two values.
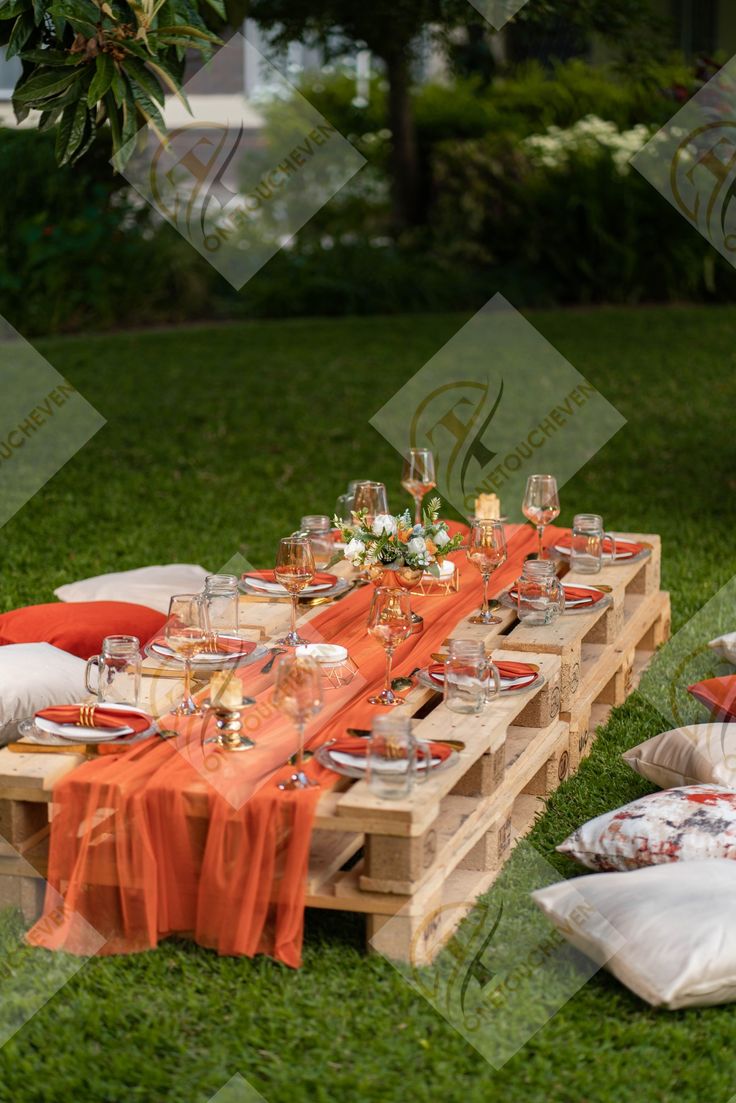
[226, 690]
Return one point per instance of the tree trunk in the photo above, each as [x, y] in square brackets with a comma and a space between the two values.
[404, 160]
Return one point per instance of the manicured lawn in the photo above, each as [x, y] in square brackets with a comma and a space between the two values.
[217, 441]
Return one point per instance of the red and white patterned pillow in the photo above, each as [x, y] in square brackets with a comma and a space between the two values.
[690, 823]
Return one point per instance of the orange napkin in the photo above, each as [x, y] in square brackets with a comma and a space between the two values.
[100, 717]
[574, 593]
[624, 548]
[229, 645]
[359, 747]
[507, 670]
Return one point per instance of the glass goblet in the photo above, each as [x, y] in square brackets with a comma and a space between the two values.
[487, 551]
[541, 504]
[418, 477]
[298, 693]
[389, 622]
[294, 570]
[185, 634]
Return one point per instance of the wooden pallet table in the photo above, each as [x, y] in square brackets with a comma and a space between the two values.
[415, 867]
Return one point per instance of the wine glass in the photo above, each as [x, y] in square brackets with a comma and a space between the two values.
[372, 498]
[487, 550]
[185, 634]
[541, 504]
[389, 622]
[418, 478]
[298, 693]
[294, 570]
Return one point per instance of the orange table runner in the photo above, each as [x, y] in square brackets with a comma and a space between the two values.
[174, 837]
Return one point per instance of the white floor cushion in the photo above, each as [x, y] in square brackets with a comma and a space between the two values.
[688, 824]
[35, 675]
[687, 756]
[667, 932]
[151, 586]
[725, 647]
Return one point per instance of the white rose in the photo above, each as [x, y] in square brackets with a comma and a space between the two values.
[417, 545]
[384, 522]
[441, 538]
[354, 548]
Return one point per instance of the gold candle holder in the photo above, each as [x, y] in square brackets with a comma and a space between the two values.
[229, 724]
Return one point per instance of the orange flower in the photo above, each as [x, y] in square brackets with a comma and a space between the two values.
[431, 547]
[404, 535]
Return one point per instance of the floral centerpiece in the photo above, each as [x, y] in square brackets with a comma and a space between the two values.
[388, 543]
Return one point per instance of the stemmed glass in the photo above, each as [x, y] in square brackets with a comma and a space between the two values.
[389, 622]
[418, 478]
[372, 498]
[541, 504]
[185, 634]
[487, 550]
[298, 693]
[294, 570]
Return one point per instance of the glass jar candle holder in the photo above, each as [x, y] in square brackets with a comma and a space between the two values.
[540, 595]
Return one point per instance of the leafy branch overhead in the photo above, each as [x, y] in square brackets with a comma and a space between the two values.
[90, 63]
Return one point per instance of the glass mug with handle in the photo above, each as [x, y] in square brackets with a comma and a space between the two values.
[471, 680]
[586, 543]
[118, 671]
[540, 594]
[394, 757]
[317, 527]
[220, 603]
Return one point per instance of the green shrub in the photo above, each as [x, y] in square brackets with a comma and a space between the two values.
[76, 251]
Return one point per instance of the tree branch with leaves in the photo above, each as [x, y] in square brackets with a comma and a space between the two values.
[89, 65]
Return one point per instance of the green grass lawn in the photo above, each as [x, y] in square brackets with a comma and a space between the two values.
[217, 441]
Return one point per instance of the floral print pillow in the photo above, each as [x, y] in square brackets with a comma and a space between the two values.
[690, 823]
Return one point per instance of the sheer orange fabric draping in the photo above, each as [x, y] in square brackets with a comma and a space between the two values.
[173, 837]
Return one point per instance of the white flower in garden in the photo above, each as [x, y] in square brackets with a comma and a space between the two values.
[417, 545]
[354, 548]
[441, 538]
[384, 522]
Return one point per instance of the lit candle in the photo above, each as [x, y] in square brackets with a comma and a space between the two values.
[226, 690]
[488, 507]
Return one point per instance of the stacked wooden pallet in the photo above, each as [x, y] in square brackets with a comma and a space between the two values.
[414, 867]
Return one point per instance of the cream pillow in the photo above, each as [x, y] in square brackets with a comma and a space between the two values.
[35, 675]
[666, 932]
[151, 586]
[687, 756]
[725, 647]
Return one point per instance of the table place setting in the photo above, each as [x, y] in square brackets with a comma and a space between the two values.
[301, 717]
[84, 727]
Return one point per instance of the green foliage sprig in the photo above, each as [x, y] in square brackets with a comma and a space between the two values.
[88, 63]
